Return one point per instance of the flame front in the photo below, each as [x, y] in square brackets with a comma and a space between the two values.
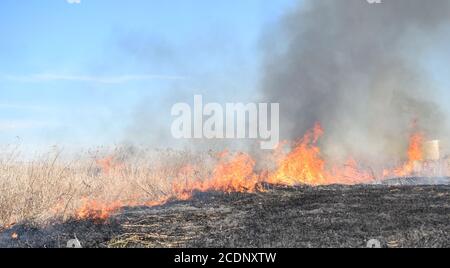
[302, 165]
[305, 165]
[233, 173]
[97, 210]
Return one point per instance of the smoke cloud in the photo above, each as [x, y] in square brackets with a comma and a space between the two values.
[355, 67]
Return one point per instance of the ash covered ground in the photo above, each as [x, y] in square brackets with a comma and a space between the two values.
[398, 215]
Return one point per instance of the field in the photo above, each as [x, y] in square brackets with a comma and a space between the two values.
[54, 185]
[330, 216]
[130, 198]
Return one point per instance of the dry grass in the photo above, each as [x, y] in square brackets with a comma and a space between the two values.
[55, 185]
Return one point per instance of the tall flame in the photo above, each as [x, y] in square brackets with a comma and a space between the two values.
[415, 150]
[415, 156]
[303, 165]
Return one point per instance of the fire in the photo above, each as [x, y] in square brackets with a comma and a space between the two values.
[232, 174]
[109, 165]
[304, 164]
[97, 210]
[415, 150]
[415, 156]
[349, 174]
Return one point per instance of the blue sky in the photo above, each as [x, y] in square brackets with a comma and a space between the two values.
[79, 74]
[75, 73]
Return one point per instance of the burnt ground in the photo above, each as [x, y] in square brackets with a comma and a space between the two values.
[331, 216]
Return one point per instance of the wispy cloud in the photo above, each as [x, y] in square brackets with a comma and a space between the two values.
[24, 124]
[118, 79]
[74, 1]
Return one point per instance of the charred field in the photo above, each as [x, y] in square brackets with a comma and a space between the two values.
[325, 216]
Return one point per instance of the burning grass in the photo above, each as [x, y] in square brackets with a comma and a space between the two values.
[97, 184]
[324, 216]
[53, 186]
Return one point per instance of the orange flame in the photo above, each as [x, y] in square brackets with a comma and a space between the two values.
[97, 210]
[303, 165]
[232, 174]
[109, 165]
[415, 156]
[415, 150]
